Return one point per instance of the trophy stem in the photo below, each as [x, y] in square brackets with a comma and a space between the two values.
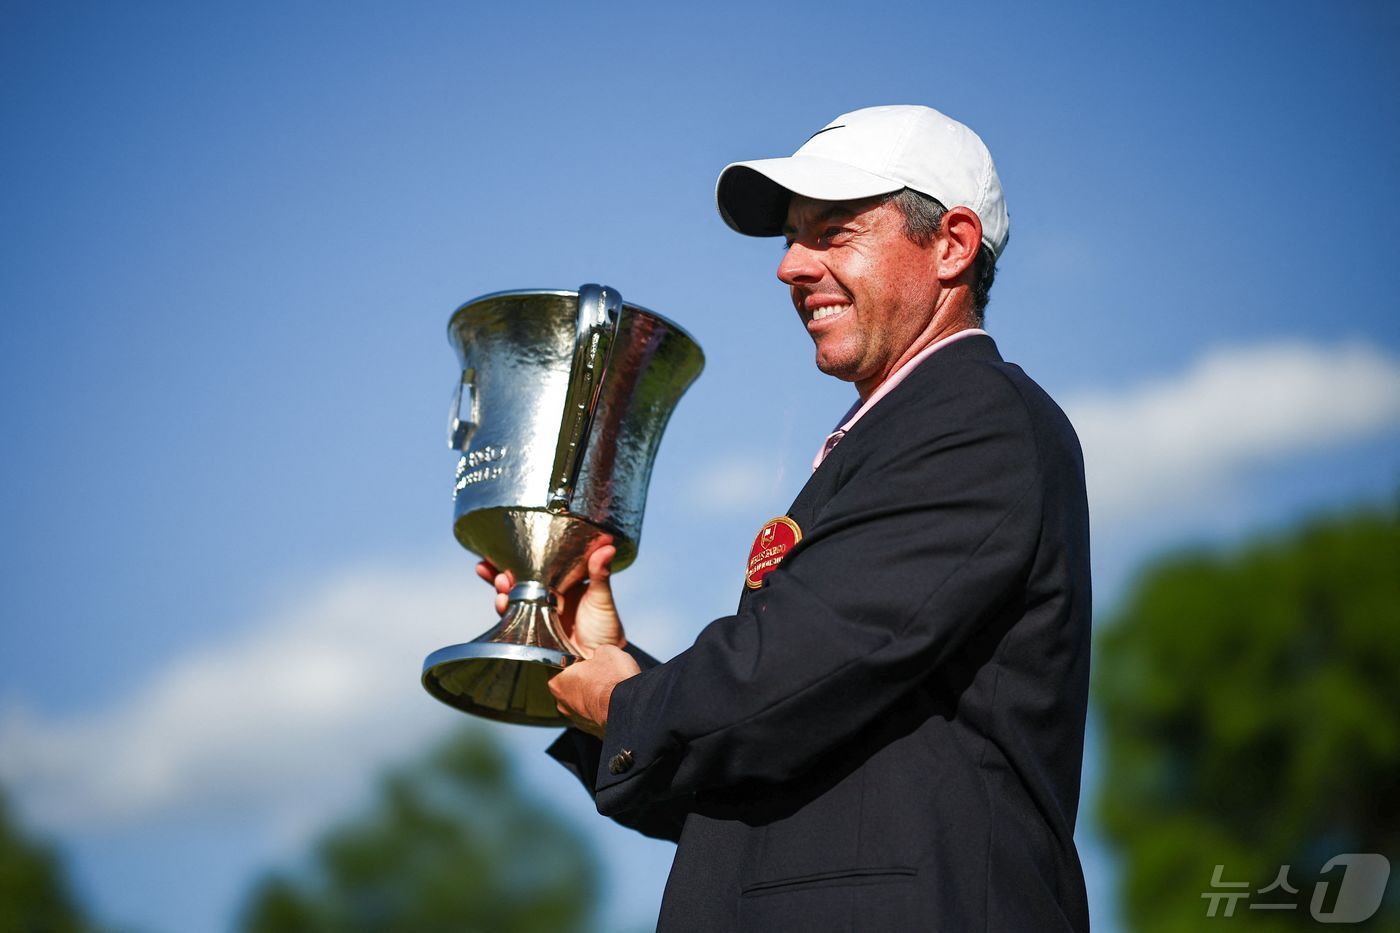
[532, 619]
[504, 674]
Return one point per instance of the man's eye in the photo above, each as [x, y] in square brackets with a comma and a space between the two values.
[831, 233]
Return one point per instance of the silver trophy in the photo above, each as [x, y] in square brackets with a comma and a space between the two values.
[557, 416]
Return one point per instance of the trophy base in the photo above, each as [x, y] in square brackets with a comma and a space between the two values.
[504, 674]
[508, 683]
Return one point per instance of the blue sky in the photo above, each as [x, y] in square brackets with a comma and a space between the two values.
[233, 235]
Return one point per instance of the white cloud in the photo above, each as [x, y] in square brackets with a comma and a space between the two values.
[300, 706]
[1161, 442]
[285, 723]
[285, 726]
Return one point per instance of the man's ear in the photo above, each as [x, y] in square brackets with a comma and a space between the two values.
[959, 239]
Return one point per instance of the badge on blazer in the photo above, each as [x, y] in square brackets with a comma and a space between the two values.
[775, 539]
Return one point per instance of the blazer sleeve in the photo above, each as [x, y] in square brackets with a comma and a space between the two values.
[935, 528]
[580, 754]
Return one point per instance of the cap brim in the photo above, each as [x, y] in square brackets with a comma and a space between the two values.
[753, 196]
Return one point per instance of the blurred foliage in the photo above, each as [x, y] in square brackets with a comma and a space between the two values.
[1250, 705]
[34, 895]
[452, 844]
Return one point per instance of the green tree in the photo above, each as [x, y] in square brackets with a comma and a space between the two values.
[452, 844]
[1250, 705]
[34, 894]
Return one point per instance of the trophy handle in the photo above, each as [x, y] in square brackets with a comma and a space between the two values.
[461, 425]
[599, 312]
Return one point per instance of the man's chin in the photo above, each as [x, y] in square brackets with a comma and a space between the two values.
[838, 369]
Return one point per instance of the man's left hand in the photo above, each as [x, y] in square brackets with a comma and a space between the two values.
[583, 690]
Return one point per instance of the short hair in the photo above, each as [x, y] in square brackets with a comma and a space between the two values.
[923, 217]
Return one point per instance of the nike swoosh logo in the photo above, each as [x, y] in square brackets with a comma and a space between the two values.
[839, 126]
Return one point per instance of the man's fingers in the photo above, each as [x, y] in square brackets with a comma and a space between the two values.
[557, 689]
[600, 563]
[560, 685]
[568, 700]
[599, 595]
[503, 581]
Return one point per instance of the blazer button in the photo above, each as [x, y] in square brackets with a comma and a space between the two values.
[620, 762]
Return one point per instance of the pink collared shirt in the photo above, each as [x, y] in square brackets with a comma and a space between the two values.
[858, 410]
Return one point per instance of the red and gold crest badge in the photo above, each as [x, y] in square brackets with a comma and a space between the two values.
[775, 539]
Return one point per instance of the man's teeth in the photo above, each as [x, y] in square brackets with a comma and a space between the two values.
[828, 311]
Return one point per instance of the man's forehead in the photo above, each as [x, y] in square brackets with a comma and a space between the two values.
[803, 210]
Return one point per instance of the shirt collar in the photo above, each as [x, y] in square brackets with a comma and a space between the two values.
[858, 410]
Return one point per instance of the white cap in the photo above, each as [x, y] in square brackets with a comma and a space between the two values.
[865, 153]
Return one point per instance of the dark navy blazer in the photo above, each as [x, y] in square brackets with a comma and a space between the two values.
[888, 734]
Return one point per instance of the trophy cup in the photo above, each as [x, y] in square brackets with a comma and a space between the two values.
[558, 414]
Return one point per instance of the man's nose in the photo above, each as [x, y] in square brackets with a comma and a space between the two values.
[800, 266]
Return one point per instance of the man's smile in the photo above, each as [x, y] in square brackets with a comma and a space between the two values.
[824, 307]
[829, 311]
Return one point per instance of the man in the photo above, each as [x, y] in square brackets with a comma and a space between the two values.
[887, 734]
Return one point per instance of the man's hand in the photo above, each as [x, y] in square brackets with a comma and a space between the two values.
[586, 608]
[583, 690]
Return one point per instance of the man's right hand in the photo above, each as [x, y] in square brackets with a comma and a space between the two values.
[586, 608]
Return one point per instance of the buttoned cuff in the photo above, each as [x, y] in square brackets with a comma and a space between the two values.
[632, 747]
[582, 754]
[617, 755]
